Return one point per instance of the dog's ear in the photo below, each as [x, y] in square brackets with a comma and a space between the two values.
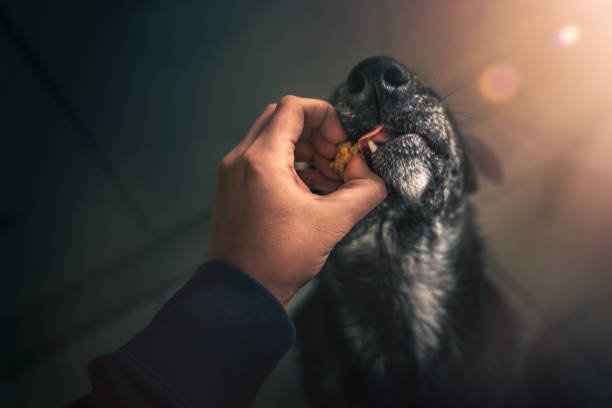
[480, 156]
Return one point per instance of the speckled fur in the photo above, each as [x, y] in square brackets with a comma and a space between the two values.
[403, 313]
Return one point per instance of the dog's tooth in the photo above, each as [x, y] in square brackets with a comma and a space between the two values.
[372, 146]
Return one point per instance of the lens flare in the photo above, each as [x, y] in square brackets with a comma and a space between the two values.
[568, 36]
[499, 83]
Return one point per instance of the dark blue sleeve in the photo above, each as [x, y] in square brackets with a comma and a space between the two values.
[212, 345]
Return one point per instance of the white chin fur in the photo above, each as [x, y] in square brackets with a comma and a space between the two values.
[414, 185]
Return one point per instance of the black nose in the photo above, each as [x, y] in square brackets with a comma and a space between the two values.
[376, 79]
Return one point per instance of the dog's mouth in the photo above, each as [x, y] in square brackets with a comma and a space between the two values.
[383, 138]
[370, 142]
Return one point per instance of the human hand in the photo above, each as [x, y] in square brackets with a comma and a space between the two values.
[266, 220]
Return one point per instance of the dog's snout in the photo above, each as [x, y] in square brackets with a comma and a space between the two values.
[375, 79]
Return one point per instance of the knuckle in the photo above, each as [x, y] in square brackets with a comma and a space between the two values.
[288, 100]
[252, 161]
[381, 189]
[327, 105]
[225, 163]
[249, 157]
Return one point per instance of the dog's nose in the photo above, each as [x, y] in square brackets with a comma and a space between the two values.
[375, 79]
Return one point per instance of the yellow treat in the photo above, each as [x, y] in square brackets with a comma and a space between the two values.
[345, 151]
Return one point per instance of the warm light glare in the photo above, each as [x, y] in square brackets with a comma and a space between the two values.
[568, 35]
[499, 83]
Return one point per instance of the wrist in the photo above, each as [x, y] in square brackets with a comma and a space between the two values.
[281, 293]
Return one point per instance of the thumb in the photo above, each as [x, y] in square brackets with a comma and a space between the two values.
[361, 192]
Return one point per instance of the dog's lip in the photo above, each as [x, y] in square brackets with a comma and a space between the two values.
[377, 136]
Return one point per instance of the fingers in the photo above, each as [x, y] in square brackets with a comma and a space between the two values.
[323, 165]
[307, 147]
[314, 180]
[357, 168]
[323, 146]
[295, 117]
[304, 150]
[317, 151]
[361, 192]
[308, 127]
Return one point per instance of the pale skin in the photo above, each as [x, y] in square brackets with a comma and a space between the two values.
[266, 220]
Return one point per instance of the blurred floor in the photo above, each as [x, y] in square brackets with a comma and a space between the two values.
[116, 115]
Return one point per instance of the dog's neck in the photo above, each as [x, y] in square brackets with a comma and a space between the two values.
[396, 274]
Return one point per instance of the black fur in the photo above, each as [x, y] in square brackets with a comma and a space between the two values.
[404, 314]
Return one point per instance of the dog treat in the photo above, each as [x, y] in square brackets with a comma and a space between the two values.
[345, 151]
[367, 143]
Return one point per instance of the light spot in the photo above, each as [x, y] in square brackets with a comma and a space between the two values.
[499, 83]
[568, 36]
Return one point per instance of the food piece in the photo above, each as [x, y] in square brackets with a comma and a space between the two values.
[367, 144]
[345, 151]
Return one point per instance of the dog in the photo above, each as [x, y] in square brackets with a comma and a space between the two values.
[404, 313]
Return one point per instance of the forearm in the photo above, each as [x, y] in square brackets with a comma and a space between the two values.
[213, 344]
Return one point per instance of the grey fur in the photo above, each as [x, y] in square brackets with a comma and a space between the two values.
[404, 312]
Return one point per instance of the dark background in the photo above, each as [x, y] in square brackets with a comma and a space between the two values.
[115, 114]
